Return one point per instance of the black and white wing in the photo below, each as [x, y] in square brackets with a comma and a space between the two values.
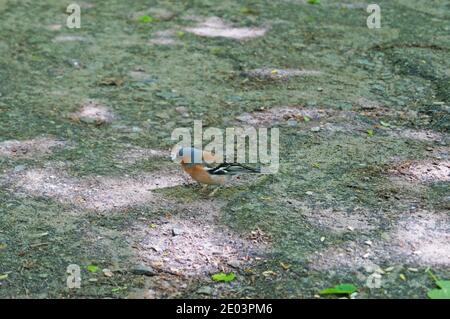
[232, 169]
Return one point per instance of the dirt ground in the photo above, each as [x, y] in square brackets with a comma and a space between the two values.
[86, 120]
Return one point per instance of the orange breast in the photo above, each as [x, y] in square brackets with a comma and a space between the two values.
[198, 173]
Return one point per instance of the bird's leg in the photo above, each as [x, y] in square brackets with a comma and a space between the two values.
[214, 191]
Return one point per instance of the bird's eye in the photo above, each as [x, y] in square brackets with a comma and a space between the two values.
[180, 152]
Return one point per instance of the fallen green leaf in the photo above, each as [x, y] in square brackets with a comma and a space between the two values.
[146, 19]
[444, 285]
[343, 289]
[92, 268]
[222, 277]
[306, 118]
[443, 292]
[2, 277]
[385, 124]
[370, 132]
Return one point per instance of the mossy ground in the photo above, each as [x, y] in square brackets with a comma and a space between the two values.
[404, 67]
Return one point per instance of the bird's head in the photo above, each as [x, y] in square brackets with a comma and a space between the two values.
[187, 155]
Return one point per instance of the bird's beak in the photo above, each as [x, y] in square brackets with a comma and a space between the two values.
[173, 157]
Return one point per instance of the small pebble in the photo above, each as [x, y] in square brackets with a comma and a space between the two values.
[176, 231]
[143, 270]
[292, 123]
[107, 272]
[76, 64]
[206, 290]
[19, 168]
[234, 263]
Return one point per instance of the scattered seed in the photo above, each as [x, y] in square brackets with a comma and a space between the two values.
[107, 272]
[285, 266]
[368, 242]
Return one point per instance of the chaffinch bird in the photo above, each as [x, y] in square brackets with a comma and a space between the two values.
[194, 162]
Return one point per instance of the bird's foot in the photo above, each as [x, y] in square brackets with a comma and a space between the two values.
[213, 192]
